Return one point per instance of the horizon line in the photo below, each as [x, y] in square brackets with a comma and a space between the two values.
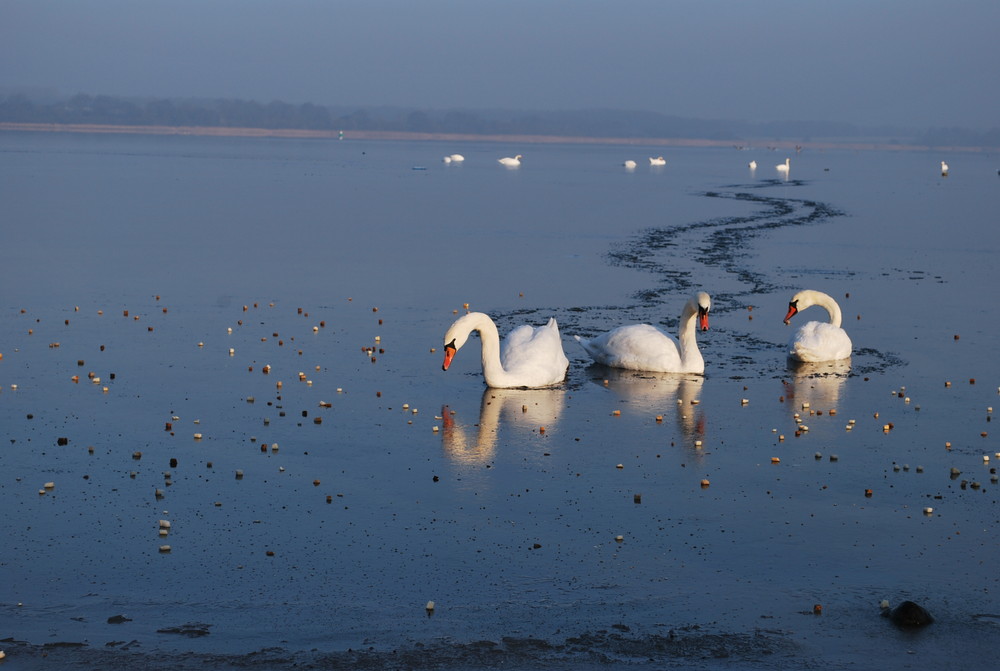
[291, 133]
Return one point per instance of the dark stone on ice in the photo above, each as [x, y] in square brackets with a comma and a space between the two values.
[908, 615]
[191, 630]
[118, 619]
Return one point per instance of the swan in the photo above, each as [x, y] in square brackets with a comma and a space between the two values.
[645, 347]
[944, 169]
[629, 164]
[510, 162]
[817, 341]
[457, 158]
[659, 160]
[532, 357]
[784, 167]
[752, 165]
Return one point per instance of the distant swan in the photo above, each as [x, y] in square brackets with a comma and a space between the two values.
[454, 158]
[817, 341]
[784, 167]
[510, 162]
[531, 358]
[659, 160]
[645, 347]
[944, 169]
[629, 164]
[753, 165]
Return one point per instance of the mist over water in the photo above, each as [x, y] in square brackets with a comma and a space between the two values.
[373, 482]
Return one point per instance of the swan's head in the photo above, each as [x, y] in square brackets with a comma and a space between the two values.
[449, 354]
[456, 336]
[802, 300]
[703, 304]
[798, 302]
[793, 307]
[808, 298]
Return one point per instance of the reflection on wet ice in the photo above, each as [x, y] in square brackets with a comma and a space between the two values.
[525, 410]
[817, 384]
[657, 394]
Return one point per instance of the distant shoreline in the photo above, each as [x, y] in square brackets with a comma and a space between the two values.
[218, 131]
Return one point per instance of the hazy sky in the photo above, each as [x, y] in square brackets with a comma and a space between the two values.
[903, 62]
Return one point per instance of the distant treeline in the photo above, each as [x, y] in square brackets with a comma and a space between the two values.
[110, 110]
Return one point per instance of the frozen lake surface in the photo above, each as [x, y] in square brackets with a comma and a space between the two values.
[242, 337]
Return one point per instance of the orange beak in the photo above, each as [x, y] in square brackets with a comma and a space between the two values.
[449, 354]
[703, 320]
[791, 312]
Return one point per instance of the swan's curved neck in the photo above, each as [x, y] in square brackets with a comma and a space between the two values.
[493, 370]
[831, 306]
[686, 335]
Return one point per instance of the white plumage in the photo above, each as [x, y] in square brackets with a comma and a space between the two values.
[817, 341]
[645, 347]
[532, 357]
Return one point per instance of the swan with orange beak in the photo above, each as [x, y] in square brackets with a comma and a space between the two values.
[817, 341]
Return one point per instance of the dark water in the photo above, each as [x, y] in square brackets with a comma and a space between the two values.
[339, 267]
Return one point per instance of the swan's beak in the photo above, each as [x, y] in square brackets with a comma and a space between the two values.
[703, 319]
[791, 313]
[449, 354]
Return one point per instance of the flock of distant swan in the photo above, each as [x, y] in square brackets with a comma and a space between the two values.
[654, 161]
[533, 357]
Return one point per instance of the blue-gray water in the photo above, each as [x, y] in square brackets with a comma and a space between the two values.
[339, 266]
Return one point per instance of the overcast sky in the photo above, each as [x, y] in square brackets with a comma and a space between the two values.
[902, 62]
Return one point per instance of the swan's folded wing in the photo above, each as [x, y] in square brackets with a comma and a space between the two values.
[637, 347]
[518, 339]
[819, 341]
[534, 348]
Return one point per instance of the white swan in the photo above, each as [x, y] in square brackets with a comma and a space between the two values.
[752, 165]
[457, 158]
[817, 341]
[944, 169]
[645, 347]
[629, 164]
[659, 160]
[784, 167]
[510, 162]
[531, 358]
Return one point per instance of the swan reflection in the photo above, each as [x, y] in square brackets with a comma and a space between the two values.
[819, 384]
[523, 410]
[653, 394]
